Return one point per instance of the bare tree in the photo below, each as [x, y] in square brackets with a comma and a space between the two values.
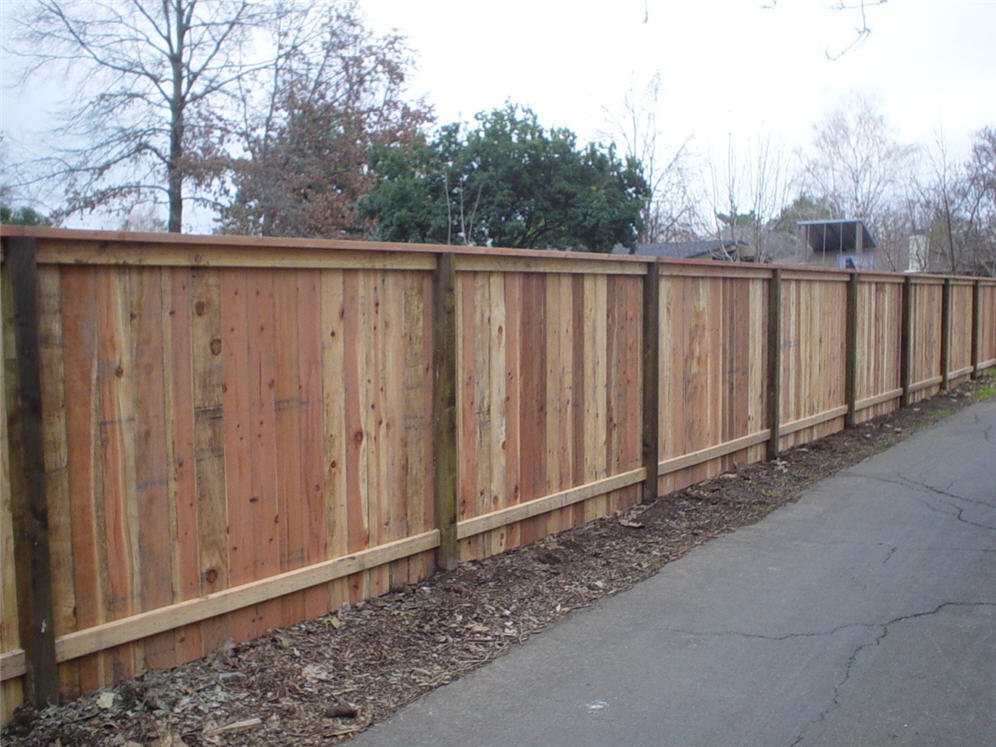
[671, 209]
[749, 192]
[153, 77]
[953, 206]
[859, 8]
[308, 122]
[939, 196]
[856, 162]
[980, 201]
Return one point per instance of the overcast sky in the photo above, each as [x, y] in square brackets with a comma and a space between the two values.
[727, 66]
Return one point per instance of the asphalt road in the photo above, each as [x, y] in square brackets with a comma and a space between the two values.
[864, 613]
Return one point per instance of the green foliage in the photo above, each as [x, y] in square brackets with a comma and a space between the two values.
[803, 207]
[22, 216]
[508, 182]
[738, 219]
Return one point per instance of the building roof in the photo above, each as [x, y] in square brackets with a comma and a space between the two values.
[681, 249]
[837, 236]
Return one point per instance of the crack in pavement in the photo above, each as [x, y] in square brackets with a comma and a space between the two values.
[853, 657]
[905, 482]
[763, 637]
[958, 515]
[889, 554]
[893, 548]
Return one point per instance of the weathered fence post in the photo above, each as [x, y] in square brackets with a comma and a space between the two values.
[851, 350]
[946, 334]
[906, 342]
[774, 360]
[444, 374]
[27, 467]
[976, 326]
[651, 378]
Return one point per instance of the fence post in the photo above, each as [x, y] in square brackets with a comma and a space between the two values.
[651, 378]
[976, 326]
[444, 444]
[906, 341]
[774, 360]
[946, 334]
[851, 350]
[27, 466]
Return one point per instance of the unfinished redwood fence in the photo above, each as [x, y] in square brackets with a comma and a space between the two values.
[212, 436]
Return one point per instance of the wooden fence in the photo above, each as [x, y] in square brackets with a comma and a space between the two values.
[209, 437]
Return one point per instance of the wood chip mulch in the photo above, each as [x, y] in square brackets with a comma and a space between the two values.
[324, 680]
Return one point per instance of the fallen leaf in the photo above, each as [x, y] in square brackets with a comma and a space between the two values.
[249, 723]
[106, 700]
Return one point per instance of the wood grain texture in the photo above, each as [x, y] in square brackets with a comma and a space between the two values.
[713, 352]
[987, 324]
[11, 689]
[960, 344]
[231, 445]
[926, 301]
[813, 332]
[535, 364]
[196, 431]
[878, 346]
[27, 460]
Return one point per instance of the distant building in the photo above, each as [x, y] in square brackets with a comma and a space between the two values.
[844, 243]
[696, 249]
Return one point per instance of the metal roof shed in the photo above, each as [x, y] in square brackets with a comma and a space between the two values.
[843, 236]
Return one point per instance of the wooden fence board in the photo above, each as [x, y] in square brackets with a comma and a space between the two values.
[925, 342]
[987, 324]
[813, 365]
[231, 446]
[335, 430]
[55, 444]
[210, 474]
[177, 288]
[155, 579]
[536, 395]
[712, 372]
[310, 436]
[879, 332]
[11, 689]
[960, 355]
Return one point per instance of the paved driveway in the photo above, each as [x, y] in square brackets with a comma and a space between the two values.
[865, 613]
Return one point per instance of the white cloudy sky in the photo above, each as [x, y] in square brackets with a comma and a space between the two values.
[728, 66]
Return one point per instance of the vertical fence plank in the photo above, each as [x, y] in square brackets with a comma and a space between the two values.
[851, 349]
[946, 335]
[11, 690]
[29, 504]
[651, 378]
[774, 360]
[906, 341]
[976, 327]
[444, 408]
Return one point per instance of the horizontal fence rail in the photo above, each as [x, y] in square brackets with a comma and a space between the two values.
[207, 437]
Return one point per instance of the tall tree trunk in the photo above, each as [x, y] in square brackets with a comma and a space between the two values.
[174, 169]
[174, 173]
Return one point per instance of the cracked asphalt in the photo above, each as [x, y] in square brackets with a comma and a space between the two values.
[863, 613]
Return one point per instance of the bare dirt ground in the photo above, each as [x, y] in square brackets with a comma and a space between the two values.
[324, 680]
